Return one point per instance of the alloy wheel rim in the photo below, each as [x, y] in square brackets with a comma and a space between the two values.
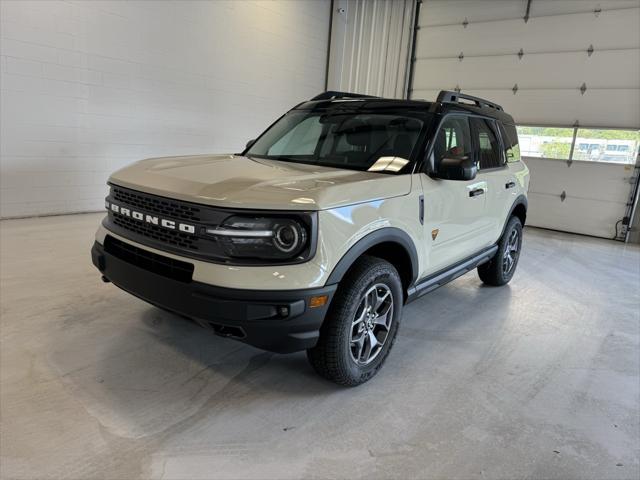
[371, 324]
[511, 252]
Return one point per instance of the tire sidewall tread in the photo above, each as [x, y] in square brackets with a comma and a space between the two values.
[331, 357]
[491, 272]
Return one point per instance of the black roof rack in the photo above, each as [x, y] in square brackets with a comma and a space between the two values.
[330, 94]
[447, 96]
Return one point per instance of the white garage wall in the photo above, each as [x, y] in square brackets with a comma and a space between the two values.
[90, 86]
[370, 46]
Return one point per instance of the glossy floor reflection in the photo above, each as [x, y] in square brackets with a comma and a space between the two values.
[539, 379]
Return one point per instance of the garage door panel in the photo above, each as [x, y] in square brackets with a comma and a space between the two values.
[554, 7]
[596, 195]
[508, 36]
[551, 70]
[596, 108]
[605, 182]
[443, 12]
[548, 211]
[554, 66]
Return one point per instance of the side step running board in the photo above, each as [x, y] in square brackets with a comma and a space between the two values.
[438, 279]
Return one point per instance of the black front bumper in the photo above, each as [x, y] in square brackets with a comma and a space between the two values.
[275, 320]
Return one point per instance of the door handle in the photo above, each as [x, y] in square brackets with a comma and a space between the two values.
[510, 185]
[476, 192]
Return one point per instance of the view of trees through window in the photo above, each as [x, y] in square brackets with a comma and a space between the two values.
[596, 145]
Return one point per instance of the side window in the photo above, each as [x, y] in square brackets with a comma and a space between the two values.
[454, 139]
[510, 138]
[488, 145]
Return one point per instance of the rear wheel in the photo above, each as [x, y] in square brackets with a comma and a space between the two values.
[361, 325]
[500, 269]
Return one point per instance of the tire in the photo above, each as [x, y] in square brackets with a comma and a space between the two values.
[500, 269]
[341, 352]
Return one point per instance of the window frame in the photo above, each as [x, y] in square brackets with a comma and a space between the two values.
[427, 164]
[506, 140]
[496, 131]
[428, 119]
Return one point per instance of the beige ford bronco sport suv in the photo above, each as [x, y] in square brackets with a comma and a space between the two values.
[317, 235]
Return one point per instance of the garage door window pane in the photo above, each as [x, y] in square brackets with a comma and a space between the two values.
[611, 146]
[545, 142]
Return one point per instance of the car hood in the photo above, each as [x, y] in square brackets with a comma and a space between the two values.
[243, 182]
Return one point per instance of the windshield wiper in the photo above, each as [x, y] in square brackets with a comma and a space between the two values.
[285, 158]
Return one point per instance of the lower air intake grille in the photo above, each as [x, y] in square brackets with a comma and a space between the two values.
[152, 262]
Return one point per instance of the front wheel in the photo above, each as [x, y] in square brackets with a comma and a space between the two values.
[500, 269]
[361, 325]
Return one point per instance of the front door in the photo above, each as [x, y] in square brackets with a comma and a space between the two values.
[455, 212]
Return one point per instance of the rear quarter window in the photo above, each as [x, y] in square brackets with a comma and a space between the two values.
[511, 146]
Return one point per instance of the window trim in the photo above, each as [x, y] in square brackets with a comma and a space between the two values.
[506, 140]
[496, 132]
[426, 164]
[414, 157]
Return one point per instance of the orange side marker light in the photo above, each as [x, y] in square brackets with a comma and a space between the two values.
[319, 301]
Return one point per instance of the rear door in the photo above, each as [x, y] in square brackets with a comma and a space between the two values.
[455, 216]
[492, 168]
[516, 175]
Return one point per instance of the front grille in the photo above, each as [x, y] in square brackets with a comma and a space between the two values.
[179, 227]
[158, 205]
[152, 262]
[192, 242]
[171, 237]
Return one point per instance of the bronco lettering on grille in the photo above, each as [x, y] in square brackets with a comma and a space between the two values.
[152, 219]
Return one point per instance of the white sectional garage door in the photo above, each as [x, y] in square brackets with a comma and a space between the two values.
[572, 64]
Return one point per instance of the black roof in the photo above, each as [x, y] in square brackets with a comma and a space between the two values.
[447, 102]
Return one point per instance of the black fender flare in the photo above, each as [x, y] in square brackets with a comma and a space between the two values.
[520, 200]
[382, 235]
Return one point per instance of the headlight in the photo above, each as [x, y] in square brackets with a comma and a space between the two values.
[262, 237]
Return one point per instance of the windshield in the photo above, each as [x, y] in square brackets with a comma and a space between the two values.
[380, 141]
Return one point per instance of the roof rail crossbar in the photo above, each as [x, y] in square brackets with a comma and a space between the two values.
[331, 94]
[448, 96]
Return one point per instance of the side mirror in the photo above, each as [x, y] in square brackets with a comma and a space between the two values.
[457, 169]
[249, 143]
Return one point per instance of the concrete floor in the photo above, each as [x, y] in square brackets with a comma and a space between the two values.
[539, 379]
